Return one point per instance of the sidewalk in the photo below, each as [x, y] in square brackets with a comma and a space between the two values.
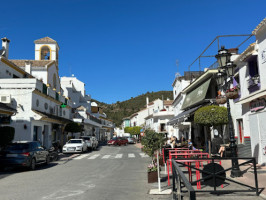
[248, 175]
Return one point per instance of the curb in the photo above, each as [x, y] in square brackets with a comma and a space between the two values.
[263, 196]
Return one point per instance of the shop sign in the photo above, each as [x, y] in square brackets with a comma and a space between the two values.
[258, 104]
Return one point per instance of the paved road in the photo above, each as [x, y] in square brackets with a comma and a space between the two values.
[110, 173]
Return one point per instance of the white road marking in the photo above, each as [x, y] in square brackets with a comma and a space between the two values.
[80, 157]
[131, 155]
[106, 157]
[143, 155]
[94, 156]
[119, 156]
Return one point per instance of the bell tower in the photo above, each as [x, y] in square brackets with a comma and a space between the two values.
[46, 49]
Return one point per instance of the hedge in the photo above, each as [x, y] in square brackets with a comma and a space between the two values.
[211, 115]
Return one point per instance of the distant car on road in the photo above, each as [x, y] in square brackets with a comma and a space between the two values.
[131, 140]
[74, 146]
[117, 141]
[91, 141]
[24, 154]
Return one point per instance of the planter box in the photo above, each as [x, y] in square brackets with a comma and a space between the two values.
[152, 177]
[232, 95]
[221, 101]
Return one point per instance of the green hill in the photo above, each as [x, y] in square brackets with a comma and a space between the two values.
[119, 110]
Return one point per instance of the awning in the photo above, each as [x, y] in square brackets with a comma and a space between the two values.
[197, 95]
[6, 110]
[252, 97]
[52, 118]
[182, 115]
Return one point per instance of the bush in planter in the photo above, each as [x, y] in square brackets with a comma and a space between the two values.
[151, 142]
[211, 115]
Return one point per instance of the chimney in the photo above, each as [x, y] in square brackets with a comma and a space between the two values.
[28, 66]
[233, 50]
[5, 46]
[147, 101]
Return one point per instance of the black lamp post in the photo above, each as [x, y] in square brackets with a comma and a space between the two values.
[226, 72]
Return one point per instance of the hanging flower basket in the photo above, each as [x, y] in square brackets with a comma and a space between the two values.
[221, 99]
[232, 93]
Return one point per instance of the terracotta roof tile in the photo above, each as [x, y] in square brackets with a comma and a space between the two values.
[168, 102]
[46, 40]
[35, 63]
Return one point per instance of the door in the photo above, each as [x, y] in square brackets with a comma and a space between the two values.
[240, 130]
[254, 136]
[262, 137]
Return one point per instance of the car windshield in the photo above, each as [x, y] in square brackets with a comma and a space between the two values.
[114, 138]
[86, 138]
[75, 141]
[17, 146]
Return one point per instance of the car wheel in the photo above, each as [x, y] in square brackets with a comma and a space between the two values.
[33, 164]
[126, 144]
[47, 160]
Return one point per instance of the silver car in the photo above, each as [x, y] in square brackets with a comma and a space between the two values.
[131, 140]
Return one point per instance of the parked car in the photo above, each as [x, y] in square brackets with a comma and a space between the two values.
[117, 141]
[131, 140]
[92, 142]
[74, 146]
[24, 154]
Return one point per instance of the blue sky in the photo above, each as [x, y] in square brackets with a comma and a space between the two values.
[124, 48]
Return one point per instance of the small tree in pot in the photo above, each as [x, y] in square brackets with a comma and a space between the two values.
[152, 142]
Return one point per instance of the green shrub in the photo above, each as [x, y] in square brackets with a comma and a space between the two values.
[73, 127]
[151, 142]
[211, 115]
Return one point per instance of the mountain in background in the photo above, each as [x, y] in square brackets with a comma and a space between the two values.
[119, 110]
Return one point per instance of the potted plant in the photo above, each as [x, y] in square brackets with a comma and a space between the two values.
[221, 99]
[152, 141]
[152, 172]
[232, 93]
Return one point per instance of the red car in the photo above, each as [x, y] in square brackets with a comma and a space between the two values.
[117, 141]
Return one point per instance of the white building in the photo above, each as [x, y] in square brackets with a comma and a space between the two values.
[84, 111]
[252, 80]
[160, 112]
[179, 84]
[33, 88]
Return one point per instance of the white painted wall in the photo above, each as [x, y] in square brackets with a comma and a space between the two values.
[8, 72]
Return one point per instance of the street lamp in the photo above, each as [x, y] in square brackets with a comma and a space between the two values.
[226, 72]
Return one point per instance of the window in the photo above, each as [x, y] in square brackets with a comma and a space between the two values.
[37, 102]
[45, 53]
[46, 106]
[253, 66]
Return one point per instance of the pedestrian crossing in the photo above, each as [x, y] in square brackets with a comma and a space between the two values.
[110, 156]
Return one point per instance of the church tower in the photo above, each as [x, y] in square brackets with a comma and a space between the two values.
[46, 49]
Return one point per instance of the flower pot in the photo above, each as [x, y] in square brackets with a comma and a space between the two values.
[152, 177]
[221, 100]
[232, 95]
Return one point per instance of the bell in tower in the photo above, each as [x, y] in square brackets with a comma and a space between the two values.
[46, 49]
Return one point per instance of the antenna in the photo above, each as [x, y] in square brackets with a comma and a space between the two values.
[177, 65]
